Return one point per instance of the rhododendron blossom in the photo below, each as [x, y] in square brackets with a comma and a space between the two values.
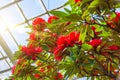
[66, 41]
[38, 21]
[117, 18]
[58, 76]
[32, 36]
[39, 24]
[76, 1]
[13, 69]
[31, 51]
[115, 21]
[95, 42]
[51, 18]
[37, 76]
[113, 47]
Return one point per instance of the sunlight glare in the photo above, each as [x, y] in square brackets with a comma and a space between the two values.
[3, 26]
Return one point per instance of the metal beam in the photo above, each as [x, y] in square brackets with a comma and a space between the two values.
[9, 4]
[44, 7]
[39, 15]
[5, 70]
[6, 49]
[3, 58]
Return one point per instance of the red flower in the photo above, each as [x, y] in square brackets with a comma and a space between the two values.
[117, 18]
[39, 24]
[94, 30]
[68, 23]
[32, 36]
[76, 1]
[72, 38]
[31, 51]
[20, 61]
[51, 18]
[13, 69]
[37, 76]
[57, 55]
[113, 47]
[54, 35]
[38, 49]
[38, 21]
[105, 53]
[95, 42]
[111, 24]
[42, 70]
[66, 41]
[58, 76]
[62, 41]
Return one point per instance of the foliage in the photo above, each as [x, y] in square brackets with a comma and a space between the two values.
[81, 41]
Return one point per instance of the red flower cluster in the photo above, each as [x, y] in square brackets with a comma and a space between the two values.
[37, 76]
[76, 1]
[117, 18]
[113, 47]
[51, 18]
[31, 51]
[13, 69]
[66, 41]
[32, 36]
[38, 21]
[95, 42]
[39, 24]
[58, 76]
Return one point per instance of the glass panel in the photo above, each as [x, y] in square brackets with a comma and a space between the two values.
[10, 42]
[3, 52]
[31, 8]
[8, 60]
[20, 34]
[5, 75]
[0, 56]
[50, 4]
[3, 65]
[11, 16]
[4, 2]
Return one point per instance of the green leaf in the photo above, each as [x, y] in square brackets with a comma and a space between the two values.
[73, 17]
[90, 31]
[28, 77]
[83, 33]
[67, 10]
[86, 46]
[92, 7]
[105, 34]
[59, 13]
